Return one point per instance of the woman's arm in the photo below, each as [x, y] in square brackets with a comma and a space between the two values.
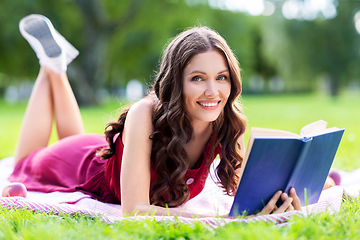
[135, 166]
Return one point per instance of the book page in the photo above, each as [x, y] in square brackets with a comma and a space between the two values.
[317, 133]
[317, 126]
[271, 133]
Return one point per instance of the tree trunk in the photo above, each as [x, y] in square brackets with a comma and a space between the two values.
[334, 86]
[91, 74]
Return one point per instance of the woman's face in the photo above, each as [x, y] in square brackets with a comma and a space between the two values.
[206, 86]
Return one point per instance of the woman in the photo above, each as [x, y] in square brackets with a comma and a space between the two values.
[159, 151]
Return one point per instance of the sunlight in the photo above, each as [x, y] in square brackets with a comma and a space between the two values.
[269, 8]
[291, 9]
[309, 9]
[254, 7]
[357, 21]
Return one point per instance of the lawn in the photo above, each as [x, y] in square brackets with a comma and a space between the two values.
[287, 112]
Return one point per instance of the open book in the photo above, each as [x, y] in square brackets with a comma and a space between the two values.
[278, 160]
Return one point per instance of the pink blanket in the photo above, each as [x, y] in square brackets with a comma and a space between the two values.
[210, 201]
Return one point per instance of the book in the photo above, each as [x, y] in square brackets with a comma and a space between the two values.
[279, 160]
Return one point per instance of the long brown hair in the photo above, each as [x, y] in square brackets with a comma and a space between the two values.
[172, 129]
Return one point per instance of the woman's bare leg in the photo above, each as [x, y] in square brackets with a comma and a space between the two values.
[51, 95]
[67, 114]
[37, 123]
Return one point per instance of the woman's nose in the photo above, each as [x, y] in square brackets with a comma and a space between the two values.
[211, 89]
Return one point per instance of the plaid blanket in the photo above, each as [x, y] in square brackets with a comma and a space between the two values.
[210, 201]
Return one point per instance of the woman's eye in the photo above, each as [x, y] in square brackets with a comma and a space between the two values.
[196, 79]
[222, 78]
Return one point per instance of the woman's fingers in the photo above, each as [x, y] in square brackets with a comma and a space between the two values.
[296, 200]
[290, 208]
[271, 205]
[290, 203]
[286, 203]
[284, 196]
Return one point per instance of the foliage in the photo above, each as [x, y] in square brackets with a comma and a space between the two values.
[123, 40]
[118, 41]
[301, 51]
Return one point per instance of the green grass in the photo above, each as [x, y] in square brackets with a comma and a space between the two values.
[23, 224]
[281, 112]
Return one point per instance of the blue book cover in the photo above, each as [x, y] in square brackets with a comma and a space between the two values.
[278, 160]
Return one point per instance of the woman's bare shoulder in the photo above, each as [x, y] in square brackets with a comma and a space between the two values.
[142, 108]
[138, 119]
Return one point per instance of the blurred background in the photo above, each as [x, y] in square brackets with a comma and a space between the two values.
[288, 46]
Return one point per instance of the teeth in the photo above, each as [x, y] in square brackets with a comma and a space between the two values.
[208, 104]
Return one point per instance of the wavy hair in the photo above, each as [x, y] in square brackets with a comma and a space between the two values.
[172, 129]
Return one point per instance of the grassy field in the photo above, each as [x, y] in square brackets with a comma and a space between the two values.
[281, 112]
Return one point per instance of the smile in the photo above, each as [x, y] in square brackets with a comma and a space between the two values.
[209, 104]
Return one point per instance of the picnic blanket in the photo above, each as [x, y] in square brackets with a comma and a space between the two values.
[211, 201]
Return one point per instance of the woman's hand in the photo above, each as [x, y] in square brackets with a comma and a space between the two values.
[290, 203]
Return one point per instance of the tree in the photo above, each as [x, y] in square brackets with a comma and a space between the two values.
[100, 26]
[117, 40]
[302, 50]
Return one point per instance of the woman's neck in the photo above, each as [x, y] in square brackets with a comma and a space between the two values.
[195, 148]
[201, 130]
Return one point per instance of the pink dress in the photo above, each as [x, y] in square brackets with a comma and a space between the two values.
[71, 164]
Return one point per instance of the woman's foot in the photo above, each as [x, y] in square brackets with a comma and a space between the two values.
[329, 183]
[51, 48]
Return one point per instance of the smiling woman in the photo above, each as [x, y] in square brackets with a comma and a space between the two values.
[206, 87]
[159, 151]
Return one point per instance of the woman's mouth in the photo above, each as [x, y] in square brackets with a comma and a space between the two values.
[209, 105]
